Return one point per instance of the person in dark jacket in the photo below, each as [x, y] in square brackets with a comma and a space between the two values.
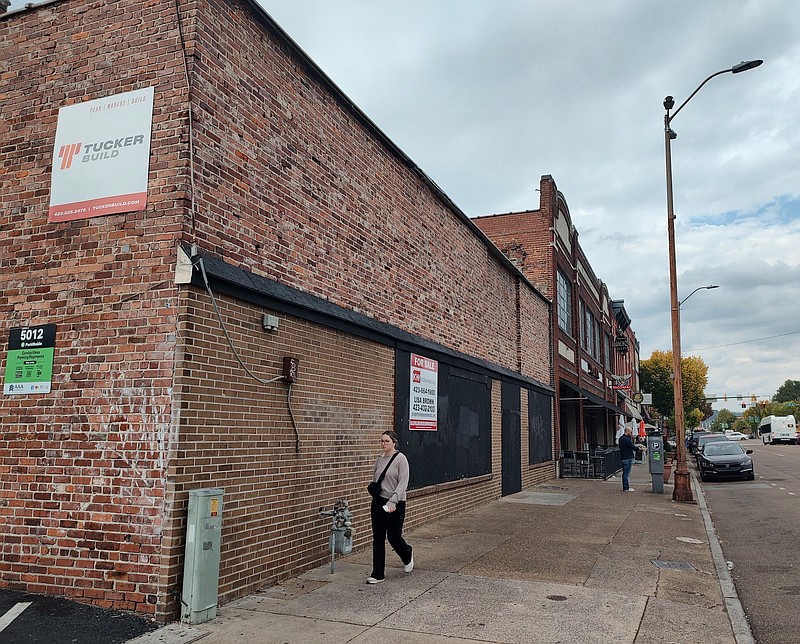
[627, 452]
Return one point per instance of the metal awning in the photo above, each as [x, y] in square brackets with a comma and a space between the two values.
[632, 411]
[593, 398]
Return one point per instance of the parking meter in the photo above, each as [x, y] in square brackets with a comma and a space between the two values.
[655, 459]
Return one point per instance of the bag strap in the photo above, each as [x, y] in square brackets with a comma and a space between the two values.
[380, 478]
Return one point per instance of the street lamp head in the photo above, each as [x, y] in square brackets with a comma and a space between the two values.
[741, 67]
[699, 288]
[745, 65]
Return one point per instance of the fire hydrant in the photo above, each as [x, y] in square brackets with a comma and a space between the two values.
[341, 539]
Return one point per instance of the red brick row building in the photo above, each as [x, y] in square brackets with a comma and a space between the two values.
[275, 220]
[272, 220]
[595, 352]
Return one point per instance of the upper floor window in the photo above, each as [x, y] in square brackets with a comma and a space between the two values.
[590, 331]
[564, 303]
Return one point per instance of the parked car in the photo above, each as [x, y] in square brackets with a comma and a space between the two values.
[736, 436]
[693, 440]
[725, 460]
[703, 440]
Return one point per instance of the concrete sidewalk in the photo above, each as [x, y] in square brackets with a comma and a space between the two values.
[570, 561]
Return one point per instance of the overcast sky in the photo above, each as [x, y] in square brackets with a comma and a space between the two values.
[488, 95]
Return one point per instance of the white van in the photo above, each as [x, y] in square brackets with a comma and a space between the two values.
[778, 429]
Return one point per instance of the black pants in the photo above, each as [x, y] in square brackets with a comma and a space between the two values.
[387, 525]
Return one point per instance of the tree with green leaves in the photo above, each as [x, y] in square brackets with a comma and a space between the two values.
[693, 418]
[724, 420]
[655, 375]
[789, 391]
[741, 425]
[756, 412]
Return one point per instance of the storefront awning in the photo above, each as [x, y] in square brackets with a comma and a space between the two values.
[632, 411]
[592, 398]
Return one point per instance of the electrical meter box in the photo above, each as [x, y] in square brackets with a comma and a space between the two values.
[201, 566]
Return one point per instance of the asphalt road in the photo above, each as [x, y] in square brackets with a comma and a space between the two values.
[758, 525]
[38, 619]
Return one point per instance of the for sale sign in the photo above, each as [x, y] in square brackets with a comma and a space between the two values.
[424, 394]
[101, 157]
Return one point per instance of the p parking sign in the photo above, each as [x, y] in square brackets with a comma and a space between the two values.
[29, 364]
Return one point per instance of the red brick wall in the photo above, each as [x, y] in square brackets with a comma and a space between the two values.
[294, 188]
[526, 239]
[81, 469]
[147, 401]
[237, 433]
[535, 341]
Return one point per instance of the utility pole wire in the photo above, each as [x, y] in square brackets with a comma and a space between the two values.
[717, 346]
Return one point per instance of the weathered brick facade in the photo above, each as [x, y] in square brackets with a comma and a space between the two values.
[312, 215]
[543, 243]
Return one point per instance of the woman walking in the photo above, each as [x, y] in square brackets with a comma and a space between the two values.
[388, 508]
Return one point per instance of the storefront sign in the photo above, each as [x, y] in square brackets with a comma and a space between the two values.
[101, 157]
[621, 382]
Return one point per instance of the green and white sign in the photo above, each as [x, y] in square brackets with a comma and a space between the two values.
[29, 364]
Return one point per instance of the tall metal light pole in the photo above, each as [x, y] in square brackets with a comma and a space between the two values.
[682, 490]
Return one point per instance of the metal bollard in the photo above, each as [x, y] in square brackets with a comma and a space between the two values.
[341, 539]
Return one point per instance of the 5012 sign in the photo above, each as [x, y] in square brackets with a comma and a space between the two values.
[29, 367]
[33, 337]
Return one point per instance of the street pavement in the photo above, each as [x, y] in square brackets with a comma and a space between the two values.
[571, 560]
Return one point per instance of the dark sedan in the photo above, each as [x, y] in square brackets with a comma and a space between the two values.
[707, 438]
[725, 460]
[693, 438]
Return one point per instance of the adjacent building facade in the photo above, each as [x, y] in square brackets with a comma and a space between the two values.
[217, 273]
[595, 352]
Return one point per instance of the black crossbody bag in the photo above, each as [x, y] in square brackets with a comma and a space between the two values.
[374, 488]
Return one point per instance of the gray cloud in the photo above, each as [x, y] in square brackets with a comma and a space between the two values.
[487, 96]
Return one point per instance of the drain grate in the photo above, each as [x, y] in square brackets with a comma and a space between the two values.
[673, 565]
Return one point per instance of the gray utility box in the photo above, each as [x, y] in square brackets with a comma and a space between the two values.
[201, 566]
[655, 459]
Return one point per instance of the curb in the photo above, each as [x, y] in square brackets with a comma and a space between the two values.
[739, 624]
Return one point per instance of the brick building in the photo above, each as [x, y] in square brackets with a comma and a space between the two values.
[266, 192]
[595, 352]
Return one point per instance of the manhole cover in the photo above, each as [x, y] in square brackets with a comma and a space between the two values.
[557, 598]
[673, 565]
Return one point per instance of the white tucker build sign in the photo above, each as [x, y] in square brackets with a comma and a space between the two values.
[101, 157]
